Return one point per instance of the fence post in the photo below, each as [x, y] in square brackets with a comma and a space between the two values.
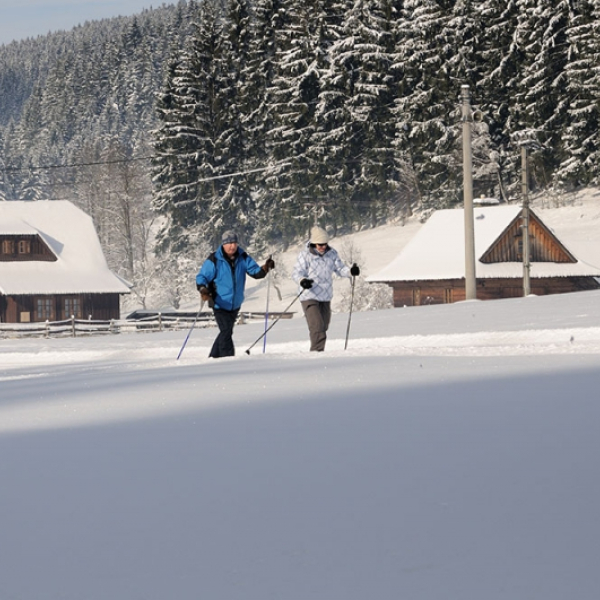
[47, 328]
[73, 324]
[160, 321]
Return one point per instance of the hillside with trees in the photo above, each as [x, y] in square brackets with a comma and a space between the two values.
[269, 115]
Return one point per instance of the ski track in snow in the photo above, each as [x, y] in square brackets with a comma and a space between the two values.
[583, 340]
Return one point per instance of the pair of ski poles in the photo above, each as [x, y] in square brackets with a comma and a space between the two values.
[263, 336]
[289, 306]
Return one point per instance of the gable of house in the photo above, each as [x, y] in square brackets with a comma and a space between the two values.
[25, 247]
[544, 246]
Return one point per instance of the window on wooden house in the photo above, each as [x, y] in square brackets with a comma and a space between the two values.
[8, 247]
[24, 247]
[44, 309]
[72, 308]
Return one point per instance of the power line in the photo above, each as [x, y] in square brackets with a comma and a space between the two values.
[139, 158]
[75, 165]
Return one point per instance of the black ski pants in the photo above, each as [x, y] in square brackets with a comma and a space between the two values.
[318, 316]
[223, 345]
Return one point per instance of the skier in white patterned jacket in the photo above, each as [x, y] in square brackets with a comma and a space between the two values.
[313, 272]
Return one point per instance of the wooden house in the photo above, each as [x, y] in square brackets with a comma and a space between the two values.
[431, 268]
[52, 266]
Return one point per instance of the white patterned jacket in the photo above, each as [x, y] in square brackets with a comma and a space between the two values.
[320, 268]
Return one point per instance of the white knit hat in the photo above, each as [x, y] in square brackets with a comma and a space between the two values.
[318, 236]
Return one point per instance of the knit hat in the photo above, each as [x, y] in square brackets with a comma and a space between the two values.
[229, 237]
[318, 236]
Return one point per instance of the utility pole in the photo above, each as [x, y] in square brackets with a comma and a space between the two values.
[525, 220]
[467, 120]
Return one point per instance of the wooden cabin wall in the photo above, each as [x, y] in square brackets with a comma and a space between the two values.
[15, 305]
[492, 289]
[3, 308]
[421, 293]
[101, 306]
[98, 307]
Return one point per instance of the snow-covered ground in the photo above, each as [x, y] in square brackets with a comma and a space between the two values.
[450, 453]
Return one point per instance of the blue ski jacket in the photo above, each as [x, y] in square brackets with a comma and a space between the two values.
[227, 278]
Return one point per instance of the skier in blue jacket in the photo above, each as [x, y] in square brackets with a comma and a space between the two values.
[221, 282]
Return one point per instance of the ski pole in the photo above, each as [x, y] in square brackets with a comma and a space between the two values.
[350, 314]
[274, 322]
[187, 337]
[267, 312]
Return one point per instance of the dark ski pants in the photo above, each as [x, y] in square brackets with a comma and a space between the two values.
[318, 316]
[223, 345]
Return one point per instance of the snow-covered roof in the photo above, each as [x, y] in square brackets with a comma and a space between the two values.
[16, 227]
[438, 250]
[70, 234]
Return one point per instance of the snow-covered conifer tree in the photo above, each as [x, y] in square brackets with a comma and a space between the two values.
[581, 138]
[186, 162]
[427, 101]
[539, 100]
[231, 206]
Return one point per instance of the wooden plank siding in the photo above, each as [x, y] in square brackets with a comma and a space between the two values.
[543, 245]
[421, 293]
[58, 307]
[19, 248]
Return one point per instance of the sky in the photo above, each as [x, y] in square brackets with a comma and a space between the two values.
[449, 452]
[20, 19]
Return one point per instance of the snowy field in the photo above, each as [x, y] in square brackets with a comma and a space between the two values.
[450, 453]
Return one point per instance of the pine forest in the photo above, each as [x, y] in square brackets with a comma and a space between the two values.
[268, 116]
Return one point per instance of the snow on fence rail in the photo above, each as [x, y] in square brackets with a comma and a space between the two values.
[73, 327]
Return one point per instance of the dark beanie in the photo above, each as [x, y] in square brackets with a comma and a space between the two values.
[229, 237]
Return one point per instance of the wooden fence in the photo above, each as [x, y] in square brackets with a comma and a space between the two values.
[81, 327]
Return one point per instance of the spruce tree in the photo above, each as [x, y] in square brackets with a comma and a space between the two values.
[294, 98]
[426, 106]
[540, 90]
[232, 206]
[581, 138]
[371, 105]
[501, 59]
[187, 142]
[268, 42]
[327, 151]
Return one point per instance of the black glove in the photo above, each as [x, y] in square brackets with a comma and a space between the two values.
[354, 270]
[270, 264]
[306, 283]
[204, 293]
